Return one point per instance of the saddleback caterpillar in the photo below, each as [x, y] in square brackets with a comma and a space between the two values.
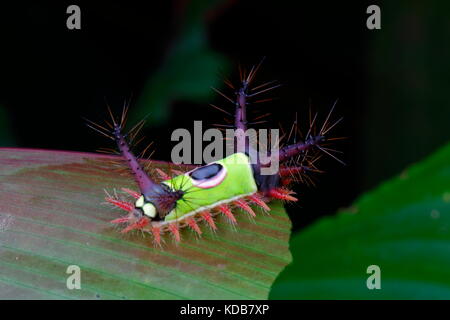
[191, 199]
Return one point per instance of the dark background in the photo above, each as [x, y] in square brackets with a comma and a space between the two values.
[163, 56]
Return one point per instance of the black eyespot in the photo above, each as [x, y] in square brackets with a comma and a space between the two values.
[206, 172]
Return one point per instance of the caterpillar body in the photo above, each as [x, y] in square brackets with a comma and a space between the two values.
[193, 198]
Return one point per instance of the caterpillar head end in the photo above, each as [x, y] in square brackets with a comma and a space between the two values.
[158, 201]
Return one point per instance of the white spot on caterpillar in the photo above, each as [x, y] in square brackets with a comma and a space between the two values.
[149, 210]
[140, 202]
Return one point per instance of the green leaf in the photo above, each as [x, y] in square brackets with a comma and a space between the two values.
[51, 217]
[402, 226]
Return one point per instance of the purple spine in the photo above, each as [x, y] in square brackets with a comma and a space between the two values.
[142, 179]
[294, 149]
[240, 116]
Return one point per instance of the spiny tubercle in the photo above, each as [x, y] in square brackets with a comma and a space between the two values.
[142, 179]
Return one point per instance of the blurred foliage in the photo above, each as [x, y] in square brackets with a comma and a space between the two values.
[402, 226]
[409, 74]
[189, 69]
[6, 136]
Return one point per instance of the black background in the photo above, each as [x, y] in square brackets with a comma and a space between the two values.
[52, 76]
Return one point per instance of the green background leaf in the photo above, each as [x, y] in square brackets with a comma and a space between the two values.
[402, 226]
[51, 217]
